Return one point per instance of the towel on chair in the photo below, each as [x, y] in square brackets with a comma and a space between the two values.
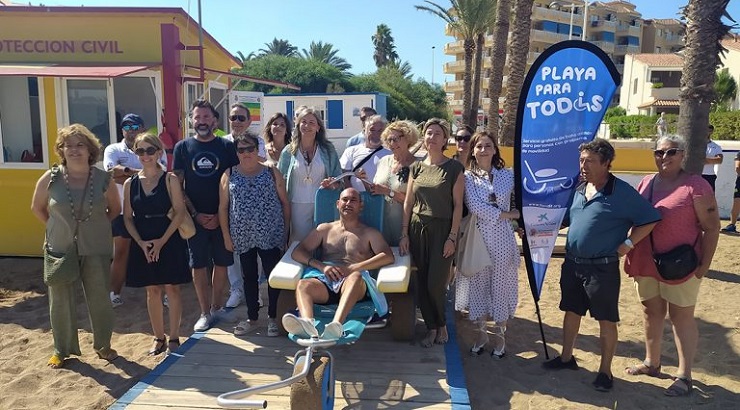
[378, 298]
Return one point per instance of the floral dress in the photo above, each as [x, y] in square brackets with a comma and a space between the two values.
[493, 292]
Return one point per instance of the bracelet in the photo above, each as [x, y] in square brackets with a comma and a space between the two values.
[308, 263]
[403, 235]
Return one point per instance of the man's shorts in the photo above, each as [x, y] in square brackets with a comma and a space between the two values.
[737, 188]
[682, 295]
[590, 287]
[119, 228]
[331, 285]
[207, 245]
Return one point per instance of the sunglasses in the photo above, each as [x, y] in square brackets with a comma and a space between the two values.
[465, 138]
[148, 151]
[240, 118]
[248, 148]
[669, 152]
[131, 127]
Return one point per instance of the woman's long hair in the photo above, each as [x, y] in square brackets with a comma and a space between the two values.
[497, 161]
[321, 139]
[267, 133]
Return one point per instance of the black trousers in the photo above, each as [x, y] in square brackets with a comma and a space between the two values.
[250, 272]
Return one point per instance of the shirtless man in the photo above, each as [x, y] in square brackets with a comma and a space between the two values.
[348, 247]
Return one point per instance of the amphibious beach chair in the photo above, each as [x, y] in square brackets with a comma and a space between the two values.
[312, 382]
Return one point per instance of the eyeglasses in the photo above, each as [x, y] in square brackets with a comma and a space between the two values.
[240, 118]
[391, 140]
[465, 138]
[248, 148]
[659, 153]
[131, 127]
[148, 151]
[79, 145]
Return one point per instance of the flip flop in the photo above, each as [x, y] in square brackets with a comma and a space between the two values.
[55, 362]
[107, 353]
[643, 368]
[681, 386]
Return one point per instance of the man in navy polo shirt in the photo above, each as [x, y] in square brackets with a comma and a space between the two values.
[603, 211]
[199, 162]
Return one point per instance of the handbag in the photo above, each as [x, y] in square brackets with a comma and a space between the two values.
[677, 263]
[187, 226]
[61, 269]
[472, 254]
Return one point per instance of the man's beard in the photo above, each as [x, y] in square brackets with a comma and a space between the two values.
[203, 131]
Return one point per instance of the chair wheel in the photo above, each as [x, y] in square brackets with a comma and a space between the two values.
[286, 303]
[403, 316]
[316, 391]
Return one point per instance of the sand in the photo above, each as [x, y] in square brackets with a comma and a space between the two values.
[517, 381]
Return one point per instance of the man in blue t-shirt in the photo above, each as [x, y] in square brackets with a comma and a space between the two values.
[603, 211]
[199, 162]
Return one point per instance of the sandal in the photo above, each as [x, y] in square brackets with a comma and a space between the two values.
[56, 362]
[173, 345]
[643, 368]
[681, 386]
[107, 353]
[159, 347]
[499, 353]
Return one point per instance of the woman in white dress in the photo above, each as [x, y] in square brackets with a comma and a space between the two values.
[392, 175]
[491, 294]
[308, 163]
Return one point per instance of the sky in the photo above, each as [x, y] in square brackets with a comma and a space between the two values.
[246, 26]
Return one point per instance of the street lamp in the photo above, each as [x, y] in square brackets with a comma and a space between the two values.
[433, 64]
[572, 7]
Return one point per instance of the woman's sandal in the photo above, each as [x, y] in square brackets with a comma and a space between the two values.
[107, 353]
[643, 368]
[681, 386]
[159, 347]
[173, 345]
[477, 348]
[499, 331]
[56, 362]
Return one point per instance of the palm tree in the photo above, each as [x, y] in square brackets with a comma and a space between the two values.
[518, 53]
[704, 31]
[725, 90]
[243, 59]
[326, 53]
[385, 49]
[279, 47]
[498, 61]
[470, 19]
[403, 67]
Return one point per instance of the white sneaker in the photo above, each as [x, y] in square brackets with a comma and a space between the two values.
[244, 327]
[203, 323]
[115, 300]
[165, 301]
[236, 298]
[302, 328]
[332, 331]
[224, 315]
[272, 328]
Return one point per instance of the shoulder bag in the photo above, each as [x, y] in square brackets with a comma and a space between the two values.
[677, 263]
[187, 227]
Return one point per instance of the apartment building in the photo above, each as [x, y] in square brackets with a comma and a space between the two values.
[614, 26]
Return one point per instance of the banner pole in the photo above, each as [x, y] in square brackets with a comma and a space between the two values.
[542, 331]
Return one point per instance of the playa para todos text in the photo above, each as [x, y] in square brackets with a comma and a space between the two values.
[558, 83]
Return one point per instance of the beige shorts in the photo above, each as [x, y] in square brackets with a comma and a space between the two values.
[682, 295]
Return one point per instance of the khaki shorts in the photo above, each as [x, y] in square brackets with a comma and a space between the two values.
[682, 295]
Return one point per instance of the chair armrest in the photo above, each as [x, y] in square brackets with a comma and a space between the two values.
[394, 278]
[287, 272]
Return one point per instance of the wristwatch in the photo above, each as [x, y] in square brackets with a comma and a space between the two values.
[629, 243]
[391, 194]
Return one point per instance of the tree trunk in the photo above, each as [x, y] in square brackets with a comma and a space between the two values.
[518, 53]
[703, 31]
[469, 47]
[498, 61]
[480, 43]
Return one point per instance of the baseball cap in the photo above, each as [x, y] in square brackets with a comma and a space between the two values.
[132, 118]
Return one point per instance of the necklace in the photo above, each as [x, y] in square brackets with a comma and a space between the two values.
[309, 164]
[79, 219]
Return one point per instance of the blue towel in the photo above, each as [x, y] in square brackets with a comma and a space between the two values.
[381, 305]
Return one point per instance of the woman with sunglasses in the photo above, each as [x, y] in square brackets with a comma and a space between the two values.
[78, 201]
[462, 143]
[688, 211]
[159, 262]
[491, 294]
[308, 163]
[392, 175]
[254, 214]
[276, 135]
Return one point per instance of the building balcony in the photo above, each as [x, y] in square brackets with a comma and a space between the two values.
[452, 86]
[454, 48]
[602, 25]
[454, 67]
[547, 36]
[558, 16]
[634, 31]
[626, 49]
[604, 45]
[664, 93]
[453, 104]
[531, 56]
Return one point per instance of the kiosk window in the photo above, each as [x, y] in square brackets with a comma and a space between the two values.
[20, 120]
[88, 105]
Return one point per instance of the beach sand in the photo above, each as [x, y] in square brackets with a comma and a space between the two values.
[517, 381]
